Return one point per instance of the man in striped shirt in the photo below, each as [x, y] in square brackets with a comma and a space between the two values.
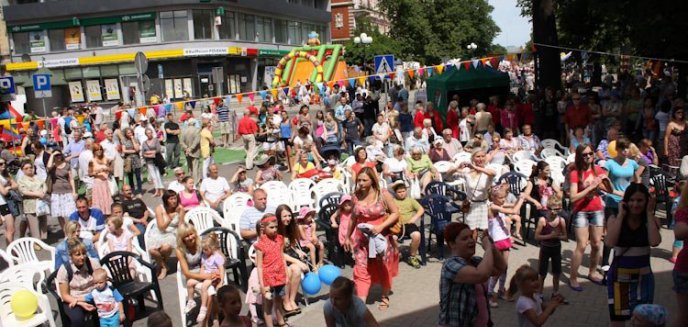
[225, 124]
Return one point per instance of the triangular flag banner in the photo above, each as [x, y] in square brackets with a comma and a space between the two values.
[228, 99]
[467, 65]
[392, 75]
[410, 73]
[320, 85]
[168, 108]
[192, 104]
[421, 71]
[251, 96]
[263, 94]
[494, 62]
[274, 93]
[475, 63]
[448, 68]
[381, 76]
[286, 91]
[352, 82]
[430, 71]
[239, 97]
[439, 68]
[341, 83]
[361, 80]
[216, 100]
[330, 84]
[179, 105]
[485, 61]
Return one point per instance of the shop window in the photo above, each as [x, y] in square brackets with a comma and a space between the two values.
[93, 36]
[174, 25]
[127, 69]
[57, 40]
[264, 29]
[72, 73]
[109, 71]
[228, 27]
[91, 72]
[203, 24]
[247, 27]
[139, 32]
[21, 42]
[281, 31]
[130, 32]
[295, 33]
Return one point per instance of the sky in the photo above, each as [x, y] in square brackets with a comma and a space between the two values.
[515, 29]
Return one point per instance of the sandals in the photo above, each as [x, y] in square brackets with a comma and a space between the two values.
[384, 304]
[163, 273]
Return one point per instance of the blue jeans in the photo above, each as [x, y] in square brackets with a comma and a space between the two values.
[350, 145]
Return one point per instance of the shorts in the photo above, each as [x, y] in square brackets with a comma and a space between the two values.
[680, 282]
[410, 229]
[225, 128]
[548, 253]
[278, 291]
[503, 245]
[583, 219]
[5, 210]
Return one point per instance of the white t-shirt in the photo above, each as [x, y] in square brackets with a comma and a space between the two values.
[396, 166]
[109, 149]
[464, 133]
[84, 159]
[122, 242]
[498, 228]
[524, 304]
[175, 186]
[381, 131]
[213, 189]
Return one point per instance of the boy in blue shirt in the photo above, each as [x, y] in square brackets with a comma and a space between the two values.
[108, 301]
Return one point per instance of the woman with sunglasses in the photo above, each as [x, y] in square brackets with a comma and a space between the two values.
[588, 212]
[7, 183]
[61, 187]
[672, 136]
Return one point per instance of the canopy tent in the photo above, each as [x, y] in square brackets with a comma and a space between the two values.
[477, 82]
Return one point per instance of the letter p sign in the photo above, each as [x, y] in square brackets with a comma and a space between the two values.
[41, 82]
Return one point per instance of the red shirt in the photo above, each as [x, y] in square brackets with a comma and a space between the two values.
[452, 123]
[100, 136]
[578, 117]
[510, 120]
[592, 202]
[437, 122]
[247, 126]
[253, 110]
[525, 114]
[496, 113]
[274, 270]
[418, 119]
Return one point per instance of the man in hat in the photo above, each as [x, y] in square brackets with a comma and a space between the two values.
[176, 185]
[191, 143]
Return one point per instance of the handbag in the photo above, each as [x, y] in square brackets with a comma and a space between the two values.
[466, 205]
[128, 163]
[114, 188]
[160, 162]
[415, 189]
[42, 208]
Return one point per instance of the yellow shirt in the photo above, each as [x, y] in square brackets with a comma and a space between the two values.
[300, 169]
[206, 137]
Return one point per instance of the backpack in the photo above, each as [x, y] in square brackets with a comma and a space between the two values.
[67, 128]
[70, 272]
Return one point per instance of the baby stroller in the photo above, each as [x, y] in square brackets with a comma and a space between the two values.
[331, 149]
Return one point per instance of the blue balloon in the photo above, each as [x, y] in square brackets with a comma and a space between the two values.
[311, 283]
[328, 273]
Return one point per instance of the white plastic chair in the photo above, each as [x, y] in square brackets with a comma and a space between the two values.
[181, 292]
[22, 251]
[443, 166]
[203, 218]
[550, 152]
[554, 144]
[277, 192]
[324, 187]
[146, 235]
[348, 162]
[498, 169]
[522, 155]
[462, 157]
[7, 317]
[24, 275]
[525, 166]
[348, 181]
[6, 257]
[301, 190]
[232, 209]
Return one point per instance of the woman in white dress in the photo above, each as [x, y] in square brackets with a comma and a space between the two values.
[162, 238]
[478, 180]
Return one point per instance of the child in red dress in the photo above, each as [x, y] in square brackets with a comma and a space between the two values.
[272, 269]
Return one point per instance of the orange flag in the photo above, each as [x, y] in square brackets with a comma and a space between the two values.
[239, 97]
[410, 72]
[274, 93]
[361, 80]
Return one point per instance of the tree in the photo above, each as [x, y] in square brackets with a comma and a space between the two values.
[357, 54]
[496, 49]
[547, 62]
[430, 31]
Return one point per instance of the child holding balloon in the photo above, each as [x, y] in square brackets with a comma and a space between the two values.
[272, 269]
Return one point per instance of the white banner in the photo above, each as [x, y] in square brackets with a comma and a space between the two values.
[76, 92]
[93, 87]
[66, 62]
[112, 89]
[194, 52]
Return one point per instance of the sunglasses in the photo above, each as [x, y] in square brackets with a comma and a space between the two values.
[587, 154]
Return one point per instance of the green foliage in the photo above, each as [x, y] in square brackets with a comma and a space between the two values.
[356, 54]
[431, 30]
[496, 49]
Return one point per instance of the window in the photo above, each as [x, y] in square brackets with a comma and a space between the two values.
[228, 28]
[264, 29]
[203, 24]
[93, 36]
[247, 27]
[294, 33]
[109, 71]
[130, 32]
[72, 73]
[57, 40]
[281, 32]
[21, 42]
[174, 25]
[91, 72]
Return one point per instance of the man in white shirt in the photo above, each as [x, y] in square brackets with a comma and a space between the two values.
[140, 131]
[109, 147]
[85, 158]
[417, 140]
[98, 111]
[215, 189]
[381, 129]
[451, 145]
[176, 185]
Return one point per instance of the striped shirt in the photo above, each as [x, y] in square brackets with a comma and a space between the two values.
[223, 114]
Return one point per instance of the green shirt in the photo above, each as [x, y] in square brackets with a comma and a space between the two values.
[417, 166]
[407, 208]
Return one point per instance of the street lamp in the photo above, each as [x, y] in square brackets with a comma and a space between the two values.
[366, 41]
[471, 47]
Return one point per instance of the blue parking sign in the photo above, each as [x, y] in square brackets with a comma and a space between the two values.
[7, 84]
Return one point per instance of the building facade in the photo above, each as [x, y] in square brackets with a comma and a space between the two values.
[89, 45]
[346, 13]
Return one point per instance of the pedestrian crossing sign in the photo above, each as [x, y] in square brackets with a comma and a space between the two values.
[384, 64]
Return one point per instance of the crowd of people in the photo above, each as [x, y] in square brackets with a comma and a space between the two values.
[88, 174]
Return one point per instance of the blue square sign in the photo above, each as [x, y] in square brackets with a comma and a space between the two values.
[7, 85]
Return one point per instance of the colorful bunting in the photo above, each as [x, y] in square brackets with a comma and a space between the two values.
[410, 73]
[392, 75]
[361, 80]
[352, 82]
[263, 94]
[274, 93]
[179, 105]
[475, 63]
[228, 99]
[494, 62]
[485, 61]
[430, 71]
[251, 96]
[421, 71]
[467, 65]
[239, 97]
[320, 85]
[286, 91]
[439, 68]
[330, 84]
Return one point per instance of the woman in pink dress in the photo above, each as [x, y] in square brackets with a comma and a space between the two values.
[377, 208]
[99, 169]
